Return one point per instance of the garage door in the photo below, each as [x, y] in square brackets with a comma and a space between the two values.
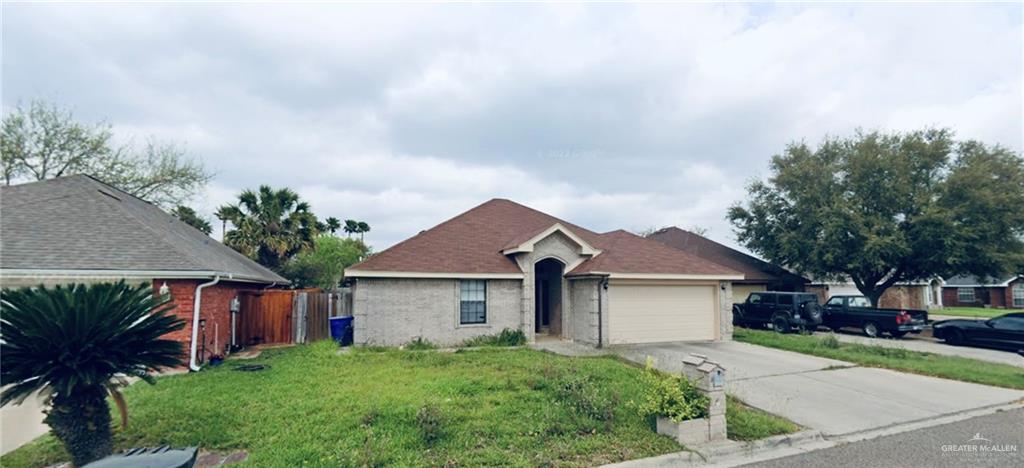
[741, 291]
[651, 314]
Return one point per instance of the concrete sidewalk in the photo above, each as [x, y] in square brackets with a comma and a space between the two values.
[931, 345]
[829, 396]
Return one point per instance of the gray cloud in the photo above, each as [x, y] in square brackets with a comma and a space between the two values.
[608, 115]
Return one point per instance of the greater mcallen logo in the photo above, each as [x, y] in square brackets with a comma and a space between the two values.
[979, 444]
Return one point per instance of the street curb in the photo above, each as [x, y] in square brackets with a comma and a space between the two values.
[742, 453]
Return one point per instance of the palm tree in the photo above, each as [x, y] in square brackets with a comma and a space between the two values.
[270, 226]
[363, 229]
[222, 214]
[351, 227]
[333, 224]
[74, 344]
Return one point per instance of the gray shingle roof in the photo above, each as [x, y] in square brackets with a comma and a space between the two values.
[79, 223]
[971, 280]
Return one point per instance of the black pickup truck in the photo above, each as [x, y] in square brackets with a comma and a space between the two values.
[856, 311]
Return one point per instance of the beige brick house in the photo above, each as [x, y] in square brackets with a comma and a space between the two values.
[504, 265]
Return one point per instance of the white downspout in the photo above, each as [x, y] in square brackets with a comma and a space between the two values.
[196, 303]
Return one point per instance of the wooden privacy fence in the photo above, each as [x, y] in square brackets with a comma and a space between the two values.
[290, 316]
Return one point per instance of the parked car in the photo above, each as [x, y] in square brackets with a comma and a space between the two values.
[784, 310]
[1004, 331]
[856, 311]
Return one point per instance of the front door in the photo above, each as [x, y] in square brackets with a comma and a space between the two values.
[548, 297]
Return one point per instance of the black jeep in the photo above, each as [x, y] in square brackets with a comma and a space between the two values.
[784, 310]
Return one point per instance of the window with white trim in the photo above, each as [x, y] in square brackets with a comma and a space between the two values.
[1018, 295]
[965, 294]
[472, 302]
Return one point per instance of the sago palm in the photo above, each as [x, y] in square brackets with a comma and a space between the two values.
[74, 345]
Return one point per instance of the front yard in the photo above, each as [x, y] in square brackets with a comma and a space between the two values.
[392, 407]
[948, 367]
[978, 312]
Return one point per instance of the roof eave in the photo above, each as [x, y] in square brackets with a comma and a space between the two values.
[140, 274]
[351, 273]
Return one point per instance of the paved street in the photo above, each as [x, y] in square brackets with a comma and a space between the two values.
[931, 345]
[826, 395]
[925, 447]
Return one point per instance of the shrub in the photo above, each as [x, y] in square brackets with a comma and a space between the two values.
[431, 423]
[420, 344]
[507, 337]
[77, 343]
[830, 341]
[674, 397]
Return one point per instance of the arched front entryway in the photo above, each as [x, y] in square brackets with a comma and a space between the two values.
[547, 284]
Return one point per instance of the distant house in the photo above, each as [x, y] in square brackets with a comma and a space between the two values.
[1006, 291]
[503, 265]
[758, 275]
[80, 230]
[925, 294]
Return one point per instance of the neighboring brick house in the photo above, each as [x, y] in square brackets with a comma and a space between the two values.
[758, 275]
[79, 230]
[1005, 292]
[924, 295]
[503, 265]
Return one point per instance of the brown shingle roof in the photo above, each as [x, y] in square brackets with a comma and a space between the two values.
[753, 269]
[472, 242]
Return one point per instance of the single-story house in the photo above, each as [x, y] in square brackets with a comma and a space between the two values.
[78, 229]
[503, 265]
[925, 295]
[758, 275]
[1006, 291]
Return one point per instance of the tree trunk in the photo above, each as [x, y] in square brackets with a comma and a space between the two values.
[82, 423]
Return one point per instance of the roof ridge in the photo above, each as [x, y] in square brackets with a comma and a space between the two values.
[424, 231]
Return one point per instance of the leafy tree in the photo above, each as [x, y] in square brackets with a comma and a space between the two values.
[363, 228]
[883, 208]
[190, 217]
[75, 344]
[324, 266]
[270, 226]
[42, 141]
[333, 224]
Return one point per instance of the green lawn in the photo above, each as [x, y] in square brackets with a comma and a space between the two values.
[949, 367]
[746, 423]
[979, 312]
[391, 407]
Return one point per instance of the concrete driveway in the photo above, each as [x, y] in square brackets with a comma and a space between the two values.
[833, 397]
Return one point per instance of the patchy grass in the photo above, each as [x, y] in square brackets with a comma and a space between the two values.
[391, 407]
[948, 367]
[979, 312]
[747, 423]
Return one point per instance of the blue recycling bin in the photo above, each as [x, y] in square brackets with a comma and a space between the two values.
[341, 330]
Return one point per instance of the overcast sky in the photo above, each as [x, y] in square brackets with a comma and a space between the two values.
[609, 116]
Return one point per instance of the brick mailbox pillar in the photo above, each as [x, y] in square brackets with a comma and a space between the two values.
[709, 377]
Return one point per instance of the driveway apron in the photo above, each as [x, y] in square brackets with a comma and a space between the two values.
[830, 396]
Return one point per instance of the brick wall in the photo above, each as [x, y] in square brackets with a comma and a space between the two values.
[902, 297]
[992, 297]
[216, 310]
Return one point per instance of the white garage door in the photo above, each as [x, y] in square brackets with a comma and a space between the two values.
[652, 314]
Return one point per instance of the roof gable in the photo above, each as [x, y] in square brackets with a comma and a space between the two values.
[524, 246]
[78, 223]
